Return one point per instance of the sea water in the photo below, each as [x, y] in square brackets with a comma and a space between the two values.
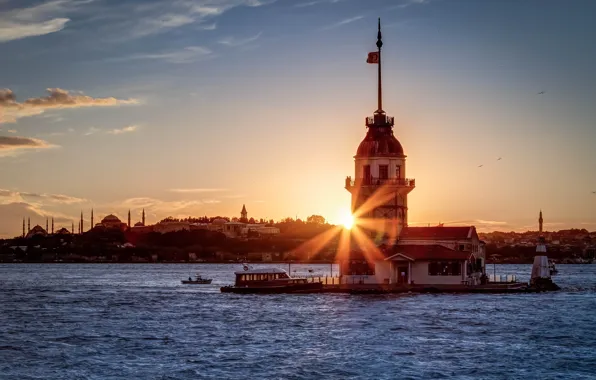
[137, 321]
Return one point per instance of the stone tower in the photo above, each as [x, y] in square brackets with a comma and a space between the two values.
[380, 188]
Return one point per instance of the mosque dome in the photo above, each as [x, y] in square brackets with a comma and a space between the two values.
[380, 142]
[111, 219]
[139, 224]
[219, 221]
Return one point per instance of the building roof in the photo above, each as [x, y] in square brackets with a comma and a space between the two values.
[111, 219]
[380, 142]
[261, 271]
[427, 252]
[437, 233]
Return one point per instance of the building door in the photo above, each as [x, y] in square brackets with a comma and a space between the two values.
[402, 275]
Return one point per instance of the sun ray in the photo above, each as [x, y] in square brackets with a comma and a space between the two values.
[381, 196]
[316, 244]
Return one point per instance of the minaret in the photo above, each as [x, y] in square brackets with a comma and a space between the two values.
[28, 224]
[72, 229]
[81, 224]
[380, 188]
[52, 225]
[143, 217]
[92, 225]
[23, 227]
[540, 222]
[129, 218]
[244, 214]
[47, 227]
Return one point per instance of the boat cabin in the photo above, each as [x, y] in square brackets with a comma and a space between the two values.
[264, 277]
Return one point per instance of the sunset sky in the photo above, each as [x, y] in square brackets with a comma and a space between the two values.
[196, 107]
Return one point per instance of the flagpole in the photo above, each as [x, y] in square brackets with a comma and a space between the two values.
[379, 45]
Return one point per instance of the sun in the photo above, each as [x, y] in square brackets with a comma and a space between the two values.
[346, 219]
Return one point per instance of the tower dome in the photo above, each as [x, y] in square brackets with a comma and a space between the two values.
[379, 140]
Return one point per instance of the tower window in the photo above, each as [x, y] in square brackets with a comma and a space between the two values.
[383, 171]
[398, 172]
[366, 173]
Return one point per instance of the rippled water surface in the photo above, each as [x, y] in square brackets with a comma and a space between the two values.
[139, 322]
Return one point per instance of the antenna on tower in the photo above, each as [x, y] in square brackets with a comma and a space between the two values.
[380, 94]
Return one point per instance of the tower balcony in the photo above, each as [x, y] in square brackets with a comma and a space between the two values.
[375, 181]
[379, 120]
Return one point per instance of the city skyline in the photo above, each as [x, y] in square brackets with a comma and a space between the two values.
[194, 108]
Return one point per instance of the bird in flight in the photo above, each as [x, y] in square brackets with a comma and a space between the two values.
[480, 166]
[542, 92]
[499, 159]
[593, 192]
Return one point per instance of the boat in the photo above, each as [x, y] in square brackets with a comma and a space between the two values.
[270, 280]
[198, 280]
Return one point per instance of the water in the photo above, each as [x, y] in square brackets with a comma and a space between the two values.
[63, 321]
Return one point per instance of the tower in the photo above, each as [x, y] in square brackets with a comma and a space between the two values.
[244, 214]
[47, 227]
[23, 227]
[52, 225]
[92, 225]
[28, 224]
[129, 218]
[540, 222]
[143, 217]
[72, 229]
[380, 188]
[81, 224]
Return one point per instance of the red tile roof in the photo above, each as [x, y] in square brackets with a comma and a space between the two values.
[437, 233]
[428, 252]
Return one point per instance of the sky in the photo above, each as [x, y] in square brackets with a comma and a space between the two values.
[196, 107]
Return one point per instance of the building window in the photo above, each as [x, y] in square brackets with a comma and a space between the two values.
[444, 268]
[398, 172]
[383, 171]
[366, 173]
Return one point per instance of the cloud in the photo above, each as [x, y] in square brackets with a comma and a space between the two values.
[11, 110]
[130, 128]
[198, 190]
[343, 22]
[186, 55]
[408, 3]
[28, 196]
[44, 18]
[235, 42]
[163, 16]
[11, 144]
[316, 2]
[91, 131]
[12, 131]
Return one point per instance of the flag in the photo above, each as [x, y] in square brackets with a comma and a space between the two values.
[373, 57]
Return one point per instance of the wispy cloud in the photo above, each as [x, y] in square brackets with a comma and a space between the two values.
[91, 131]
[198, 190]
[343, 22]
[29, 196]
[186, 55]
[128, 129]
[12, 131]
[12, 144]
[44, 18]
[315, 2]
[165, 15]
[235, 42]
[407, 3]
[11, 110]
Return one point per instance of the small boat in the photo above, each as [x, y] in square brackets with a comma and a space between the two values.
[198, 280]
[270, 280]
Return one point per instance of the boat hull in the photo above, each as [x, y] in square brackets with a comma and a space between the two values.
[187, 282]
[291, 288]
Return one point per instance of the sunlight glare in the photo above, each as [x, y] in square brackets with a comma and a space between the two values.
[347, 219]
